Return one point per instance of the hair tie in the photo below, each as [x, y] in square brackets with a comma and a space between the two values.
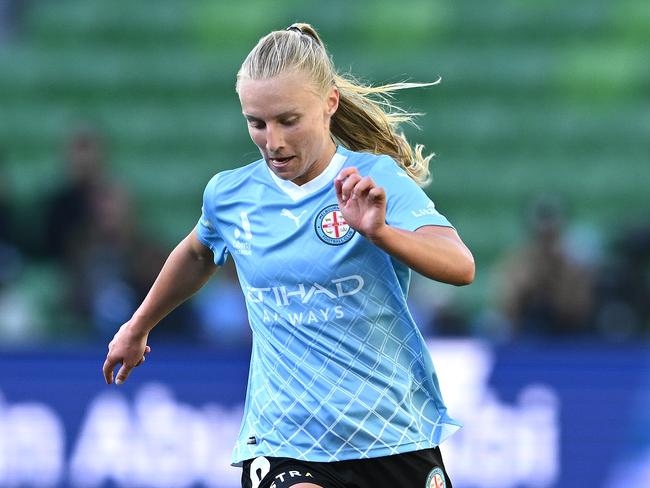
[295, 28]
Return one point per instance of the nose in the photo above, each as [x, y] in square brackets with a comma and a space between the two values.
[274, 139]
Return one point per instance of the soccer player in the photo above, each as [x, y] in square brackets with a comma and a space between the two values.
[324, 231]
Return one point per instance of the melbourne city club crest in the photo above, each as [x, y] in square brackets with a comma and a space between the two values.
[331, 227]
[436, 479]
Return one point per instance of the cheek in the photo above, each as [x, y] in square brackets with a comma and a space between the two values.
[320, 124]
[257, 137]
[312, 131]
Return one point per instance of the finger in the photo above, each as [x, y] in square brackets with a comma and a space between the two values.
[348, 185]
[147, 350]
[338, 184]
[377, 195]
[340, 178]
[345, 172]
[107, 369]
[361, 189]
[123, 374]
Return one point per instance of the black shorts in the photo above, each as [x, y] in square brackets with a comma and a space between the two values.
[418, 469]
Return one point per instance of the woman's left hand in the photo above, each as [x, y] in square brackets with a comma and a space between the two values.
[361, 201]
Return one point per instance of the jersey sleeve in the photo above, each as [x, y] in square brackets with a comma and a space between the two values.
[206, 227]
[407, 205]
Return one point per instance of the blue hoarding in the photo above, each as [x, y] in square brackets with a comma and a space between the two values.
[535, 415]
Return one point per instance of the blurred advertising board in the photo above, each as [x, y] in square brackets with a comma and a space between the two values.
[535, 415]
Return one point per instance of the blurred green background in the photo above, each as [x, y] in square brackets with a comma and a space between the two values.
[537, 97]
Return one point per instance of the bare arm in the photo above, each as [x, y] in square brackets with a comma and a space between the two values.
[435, 252]
[187, 269]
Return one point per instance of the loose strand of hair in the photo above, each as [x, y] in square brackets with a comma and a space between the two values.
[367, 120]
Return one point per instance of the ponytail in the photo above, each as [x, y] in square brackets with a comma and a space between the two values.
[367, 120]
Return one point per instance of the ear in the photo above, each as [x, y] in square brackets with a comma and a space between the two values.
[332, 101]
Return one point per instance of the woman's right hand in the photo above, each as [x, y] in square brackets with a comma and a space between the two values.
[127, 348]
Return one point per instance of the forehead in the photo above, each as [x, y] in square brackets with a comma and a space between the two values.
[286, 92]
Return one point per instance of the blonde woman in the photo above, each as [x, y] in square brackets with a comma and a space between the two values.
[324, 230]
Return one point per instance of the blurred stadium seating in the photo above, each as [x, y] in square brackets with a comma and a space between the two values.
[536, 97]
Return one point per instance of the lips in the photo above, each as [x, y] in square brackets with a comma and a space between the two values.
[279, 162]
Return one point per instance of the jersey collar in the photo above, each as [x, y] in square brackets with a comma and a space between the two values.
[298, 192]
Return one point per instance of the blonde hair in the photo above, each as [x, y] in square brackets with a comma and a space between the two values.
[366, 119]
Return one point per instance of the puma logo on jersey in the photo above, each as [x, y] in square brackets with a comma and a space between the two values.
[290, 215]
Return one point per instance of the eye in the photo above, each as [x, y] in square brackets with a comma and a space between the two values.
[289, 122]
[256, 124]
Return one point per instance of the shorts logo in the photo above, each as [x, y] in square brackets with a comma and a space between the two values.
[436, 479]
[331, 227]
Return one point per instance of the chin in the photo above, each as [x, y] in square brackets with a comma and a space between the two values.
[283, 174]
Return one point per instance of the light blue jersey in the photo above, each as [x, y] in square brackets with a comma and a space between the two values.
[339, 369]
